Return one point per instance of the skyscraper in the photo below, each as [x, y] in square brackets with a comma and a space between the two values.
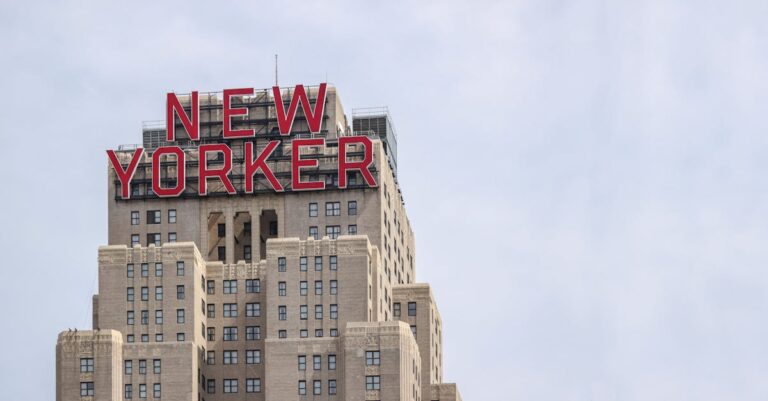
[258, 248]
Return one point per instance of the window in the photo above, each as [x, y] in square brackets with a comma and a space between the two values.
[221, 229]
[180, 336]
[142, 391]
[273, 228]
[252, 333]
[128, 391]
[128, 367]
[313, 232]
[159, 337]
[153, 238]
[158, 270]
[253, 309]
[331, 387]
[352, 208]
[302, 362]
[303, 333]
[303, 312]
[318, 287]
[211, 310]
[211, 358]
[129, 294]
[142, 366]
[247, 252]
[303, 263]
[221, 253]
[211, 386]
[247, 228]
[179, 292]
[230, 385]
[153, 217]
[281, 264]
[145, 317]
[230, 310]
[230, 286]
[352, 229]
[86, 365]
[333, 232]
[411, 308]
[253, 286]
[317, 362]
[86, 389]
[302, 387]
[312, 210]
[134, 240]
[145, 338]
[172, 216]
[252, 356]
[144, 293]
[413, 330]
[210, 286]
[180, 316]
[372, 382]
[130, 338]
[230, 357]
[318, 332]
[334, 311]
[282, 334]
[333, 262]
[317, 387]
[318, 312]
[180, 268]
[372, 358]
[156, 366]
[281, 288]
[134, 218]
[230, 334]
[129, 320]
[396, 309]
[333, 208]
[331, 362]
[171, 237]
[334, 332]
[302, 288]
[281, 313]
[252, 385]
[158, 316]
[129, 270]
[318, 263]
[144, 270]
[156, 390]
[334, 287]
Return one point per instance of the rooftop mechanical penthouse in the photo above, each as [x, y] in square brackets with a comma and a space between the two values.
[258, 249]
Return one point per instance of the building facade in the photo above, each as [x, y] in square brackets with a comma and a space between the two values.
[265, 295]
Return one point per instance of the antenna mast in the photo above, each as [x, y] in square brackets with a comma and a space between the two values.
[276, 70]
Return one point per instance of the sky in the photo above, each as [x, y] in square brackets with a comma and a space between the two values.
[585, 179]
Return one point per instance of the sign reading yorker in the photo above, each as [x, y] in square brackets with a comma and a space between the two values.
[252, 163]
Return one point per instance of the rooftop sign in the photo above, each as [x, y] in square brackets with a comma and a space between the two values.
[253, 161]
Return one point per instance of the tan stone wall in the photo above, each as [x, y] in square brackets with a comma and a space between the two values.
[105, 348]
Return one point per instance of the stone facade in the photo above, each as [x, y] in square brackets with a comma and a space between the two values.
[266, 296]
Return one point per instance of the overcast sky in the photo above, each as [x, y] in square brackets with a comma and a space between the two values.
[586, 179]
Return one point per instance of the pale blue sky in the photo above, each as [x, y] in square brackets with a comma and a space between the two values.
[586, 179]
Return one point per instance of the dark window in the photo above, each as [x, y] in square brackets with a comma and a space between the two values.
[221, 229]
[411, 308]
[352, 229]
[272, 228]
[221, 253]
[153, 238]
[153, 217]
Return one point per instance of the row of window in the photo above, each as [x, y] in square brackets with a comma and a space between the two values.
[317, 362]
[333, 209]
[252, 286]
[332, 232]
[282, 312]
[152, 238]
[304, 333]
[130, 272]
[153, 217]
[317, 387]
[252, 357]
[156, 393]
[396, 309]
[130, 318]
[252, 385]
[130, 293]
[131, 338]
[303, 288]
[252, 309]
[128, 366]
[282, 264]
[231, 333]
